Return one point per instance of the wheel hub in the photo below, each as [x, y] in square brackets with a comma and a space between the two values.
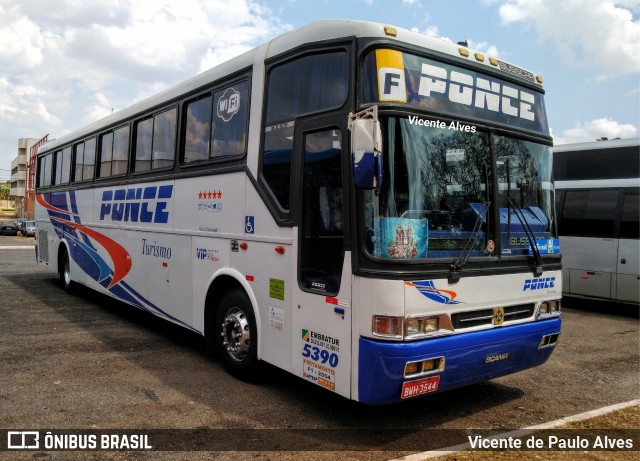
[235, 334]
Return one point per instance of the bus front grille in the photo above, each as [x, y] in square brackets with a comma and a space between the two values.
[485, 316]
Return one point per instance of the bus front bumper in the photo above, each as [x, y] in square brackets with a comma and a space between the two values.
[468, 358]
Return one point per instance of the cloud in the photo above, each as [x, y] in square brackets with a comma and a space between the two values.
[595, 129]
[483, 47]
[21, 42]
[69, 62]
[599, 34]
[101, 108]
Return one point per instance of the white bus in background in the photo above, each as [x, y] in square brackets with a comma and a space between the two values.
[366, 207]
[597, 187]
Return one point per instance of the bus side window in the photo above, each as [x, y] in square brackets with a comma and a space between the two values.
[144, 131]
[63, 166]
[78, 161]
[630, 220]
[45, 167]
[590, 213]
[155, 141]
[311, 83]
[229, 125]
[321, 245]
[276, 160]
[114, 152]
[216, 124]
[164, 139]
[106, 150]
[120, 151]
[197, 133]
[88, 168]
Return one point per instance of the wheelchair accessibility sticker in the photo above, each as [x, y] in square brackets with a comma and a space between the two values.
[249, 225]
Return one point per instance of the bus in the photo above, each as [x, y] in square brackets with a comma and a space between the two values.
[597, 186]
[366, 207]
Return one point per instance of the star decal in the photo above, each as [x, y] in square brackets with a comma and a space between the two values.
[210, 195]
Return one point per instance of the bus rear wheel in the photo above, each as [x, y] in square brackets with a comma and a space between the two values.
[236, 335]
[64, 272]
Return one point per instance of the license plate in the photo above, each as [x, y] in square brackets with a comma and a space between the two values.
[419, 387]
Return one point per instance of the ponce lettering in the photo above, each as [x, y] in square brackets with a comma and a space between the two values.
[463, 88]
[137, 204]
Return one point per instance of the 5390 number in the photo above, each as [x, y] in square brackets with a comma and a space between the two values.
[320, 355]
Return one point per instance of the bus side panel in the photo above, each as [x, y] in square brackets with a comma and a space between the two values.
[120, 240]
[269, 276]
[628, 281]
[267, 263]
[210, 205]
[165, 260]
[207, 208]
[208, 255]
[590, 264]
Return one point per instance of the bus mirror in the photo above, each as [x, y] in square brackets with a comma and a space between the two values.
[366, 149]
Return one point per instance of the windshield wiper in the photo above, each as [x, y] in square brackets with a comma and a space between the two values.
[455, 269]
[537, 267]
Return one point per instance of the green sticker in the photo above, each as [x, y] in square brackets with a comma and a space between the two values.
[276, 289]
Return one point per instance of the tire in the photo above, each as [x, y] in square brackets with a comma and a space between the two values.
[64, 272]
[236, 336]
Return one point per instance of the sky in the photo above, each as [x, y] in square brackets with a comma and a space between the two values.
[67, 63]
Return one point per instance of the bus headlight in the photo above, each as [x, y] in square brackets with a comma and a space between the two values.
[424, 367]
[420, 326]
[410, 328]
[387, 327]
[548, 308]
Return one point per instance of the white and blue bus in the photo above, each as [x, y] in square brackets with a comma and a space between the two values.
[597, 189]
[366, 207]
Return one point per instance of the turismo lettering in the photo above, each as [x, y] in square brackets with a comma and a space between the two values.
[155, 250]
[464, 89]
[137, 204]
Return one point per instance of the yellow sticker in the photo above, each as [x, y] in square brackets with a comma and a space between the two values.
[276, 289]
[391, 82]
[498, 316]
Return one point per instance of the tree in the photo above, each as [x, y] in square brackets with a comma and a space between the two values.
[5, 190]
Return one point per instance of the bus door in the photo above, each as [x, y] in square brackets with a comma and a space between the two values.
[591, 246]
[628, 279]
[322, 299]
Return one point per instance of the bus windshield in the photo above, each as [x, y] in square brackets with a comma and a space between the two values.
[436, 195]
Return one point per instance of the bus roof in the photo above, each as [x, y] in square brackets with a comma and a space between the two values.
[600, 161]
[594, 145]
[317, 31]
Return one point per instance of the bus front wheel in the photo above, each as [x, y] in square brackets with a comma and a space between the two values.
[236, 335]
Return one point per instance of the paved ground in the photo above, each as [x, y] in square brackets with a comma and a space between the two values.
[85, 361]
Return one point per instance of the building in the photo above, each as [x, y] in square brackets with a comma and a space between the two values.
[23, 176]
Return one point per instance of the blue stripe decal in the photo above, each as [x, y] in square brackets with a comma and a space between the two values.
[85, 255]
